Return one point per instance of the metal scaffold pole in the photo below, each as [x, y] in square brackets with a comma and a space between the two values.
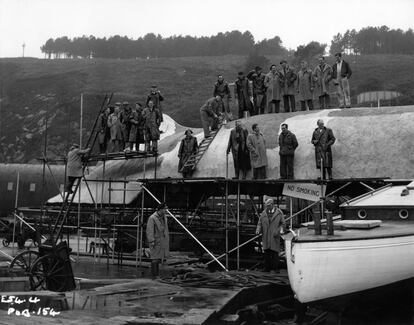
[179, 222]
[238, 225]
[227, 222]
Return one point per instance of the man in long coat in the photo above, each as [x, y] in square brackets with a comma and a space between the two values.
[273, 84]
[103, 135]
[188, 147]
[271, 223]
[259, 89]
[323, 139]
[74, 166]
[244, 94]
[257, 149]
[209, 113]
[221, 88]
[305, 86]
[287, 146]
[152, 121]
[158, 238]
[114, 124]
[288, 80]
[237, 145]
[341, 72]
[156, 98]
[323, 75]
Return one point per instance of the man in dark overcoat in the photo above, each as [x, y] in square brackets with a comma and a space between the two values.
[287, 146]
[103, 135]
[323, 139]
[244, 94]
[188, 147]
[237, 145]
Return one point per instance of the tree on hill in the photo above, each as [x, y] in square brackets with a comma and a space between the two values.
[309, 52]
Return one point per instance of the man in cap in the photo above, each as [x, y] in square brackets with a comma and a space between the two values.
[323, 138]
[238, 146]
[209, 115]
[259, 89]
[74, 167]
[103, 135]
[136, 132]
[188, 147]
[158, 238]
[244, 94]
[156, 97]
[271, 223]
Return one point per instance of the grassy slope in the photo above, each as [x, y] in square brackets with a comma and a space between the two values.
[32, 88]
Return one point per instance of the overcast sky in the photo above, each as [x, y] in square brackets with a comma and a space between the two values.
[296, 22]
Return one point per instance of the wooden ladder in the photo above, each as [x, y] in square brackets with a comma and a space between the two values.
[192, 162]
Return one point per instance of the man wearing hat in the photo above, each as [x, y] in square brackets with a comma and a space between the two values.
[244, 94]
[158, 238]
[156, 97]
[126, 125]
[271, 223]
[115, 130]
[103, 135]
[259, 89]
[152, 121]
[188, 147]
[74, 165]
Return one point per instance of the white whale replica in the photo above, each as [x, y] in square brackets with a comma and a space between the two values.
[370, 142]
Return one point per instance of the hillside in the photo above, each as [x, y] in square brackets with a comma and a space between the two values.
[32, 89]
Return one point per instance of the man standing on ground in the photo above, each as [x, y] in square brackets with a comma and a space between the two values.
[237, 145]
[288, 80]
[257, 149]
[323, 139]
[271, 223]
[305, 86]
[341, 72]
[244, 94]
[158, 238]
[259, 90]
[74, 165]
[209, 113]
[152, 118]
[323, 75]
[287, 147]
[156, 98]
[221, 88]
[188, 147]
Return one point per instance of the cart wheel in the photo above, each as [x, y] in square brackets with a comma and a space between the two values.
[47, 271]
[24, 260]
[6, 243]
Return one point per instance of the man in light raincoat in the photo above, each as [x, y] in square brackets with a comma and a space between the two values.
[158, 238]
[271, 223]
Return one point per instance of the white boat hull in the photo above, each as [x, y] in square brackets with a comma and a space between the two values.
[325, 269]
